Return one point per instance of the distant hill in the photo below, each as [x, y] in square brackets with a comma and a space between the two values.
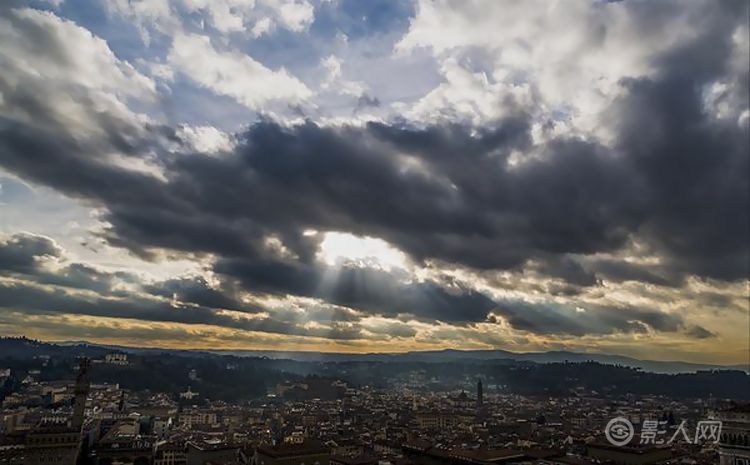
[25, 348]
[17, 346]
[452, 355]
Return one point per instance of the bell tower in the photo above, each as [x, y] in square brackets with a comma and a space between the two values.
[480, 393]
[81, 392]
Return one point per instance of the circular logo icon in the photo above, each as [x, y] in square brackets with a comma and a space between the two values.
[619, 431]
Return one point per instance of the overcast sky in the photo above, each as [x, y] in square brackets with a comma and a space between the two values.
[347, 175]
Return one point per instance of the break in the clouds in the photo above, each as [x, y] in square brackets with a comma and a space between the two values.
[378, 175]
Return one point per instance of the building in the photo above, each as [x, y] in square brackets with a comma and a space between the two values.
[12, 421]
[123, 444]
[734, 441]
[429, 420]
[194, 417]
[189, 394]
[462, 401]
[346, 447]
[52, 444]
[301, 453]
[116, 359]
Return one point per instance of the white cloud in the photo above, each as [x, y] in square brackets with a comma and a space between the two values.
[29, 40]
[206, 139]
[233, 73]
[295, 15]
[726, 98]
[262, 26]
[334, 80]
[468, 96]
[71, 74]
[257, 17]
[569, 55]
[332, 65]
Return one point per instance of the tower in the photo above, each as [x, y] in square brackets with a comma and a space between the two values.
[81, 392]
[480, 393]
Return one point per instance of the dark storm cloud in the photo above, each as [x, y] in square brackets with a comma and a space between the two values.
[569, 270]
[23, 255]
[81, 276]
[436, 193]
[198, 291]
[586, 320]
[22, 252]
[694, 168]
[619, 270]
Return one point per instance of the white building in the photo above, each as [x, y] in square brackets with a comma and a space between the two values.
[116, 359]
[189, 394]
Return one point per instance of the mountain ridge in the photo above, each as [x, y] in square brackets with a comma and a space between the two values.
[445, 355]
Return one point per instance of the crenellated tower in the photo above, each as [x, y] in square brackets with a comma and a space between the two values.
[480, 393]
[81, 392]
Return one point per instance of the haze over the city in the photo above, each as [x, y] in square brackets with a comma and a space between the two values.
[378, 176]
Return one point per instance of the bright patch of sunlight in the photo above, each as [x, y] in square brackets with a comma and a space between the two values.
[337, 249]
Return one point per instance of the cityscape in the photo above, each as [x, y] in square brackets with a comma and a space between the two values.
[63, 408]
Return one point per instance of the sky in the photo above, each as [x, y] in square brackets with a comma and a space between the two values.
[380, 175]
